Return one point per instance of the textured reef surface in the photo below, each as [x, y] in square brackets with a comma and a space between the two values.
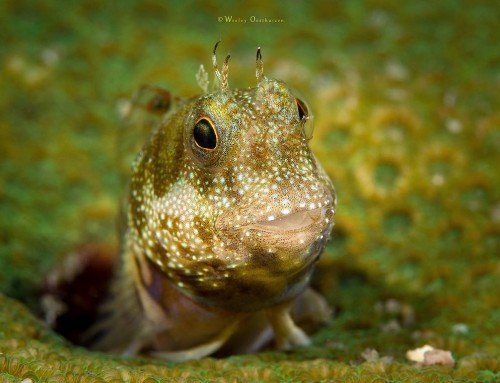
[406, 103]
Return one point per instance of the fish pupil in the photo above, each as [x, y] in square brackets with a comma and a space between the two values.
[204, 135]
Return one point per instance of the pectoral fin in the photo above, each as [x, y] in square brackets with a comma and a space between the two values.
[201, 350]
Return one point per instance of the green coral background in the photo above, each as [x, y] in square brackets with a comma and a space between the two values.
[406, 103]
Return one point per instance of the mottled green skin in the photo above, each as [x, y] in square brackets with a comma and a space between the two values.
[410, 68]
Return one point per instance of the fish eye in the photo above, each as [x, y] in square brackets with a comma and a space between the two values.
[302, 109]
[305, 118]
[204, 134]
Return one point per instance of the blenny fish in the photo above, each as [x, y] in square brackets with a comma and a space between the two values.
[228, 212]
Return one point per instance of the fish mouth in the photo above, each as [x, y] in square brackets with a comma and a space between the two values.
[296, 222]
[290, 232]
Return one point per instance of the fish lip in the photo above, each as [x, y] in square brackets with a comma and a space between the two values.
[296, 221]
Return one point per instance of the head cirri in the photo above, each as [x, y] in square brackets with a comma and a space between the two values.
[227, 199]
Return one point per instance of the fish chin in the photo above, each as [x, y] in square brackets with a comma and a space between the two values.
[266, 253]
[268, 262]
